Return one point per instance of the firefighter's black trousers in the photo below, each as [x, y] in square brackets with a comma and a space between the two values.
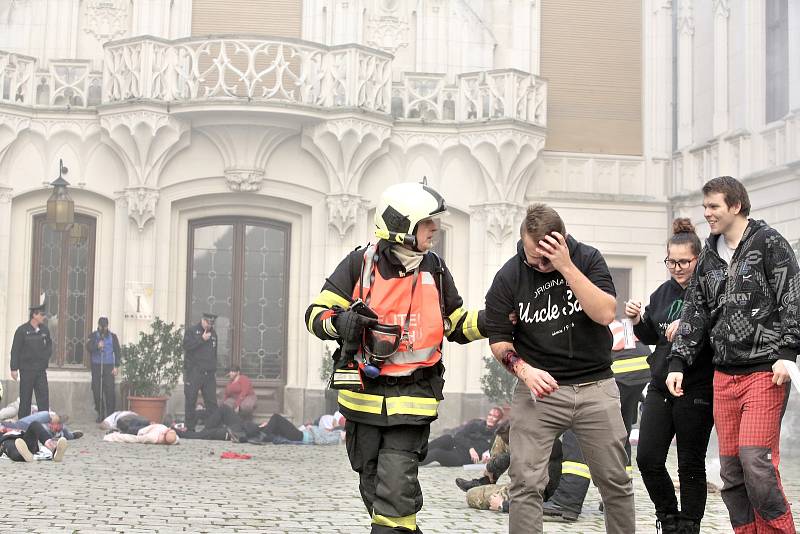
[387, 459]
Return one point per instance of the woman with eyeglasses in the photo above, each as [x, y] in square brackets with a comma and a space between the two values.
[689, 417]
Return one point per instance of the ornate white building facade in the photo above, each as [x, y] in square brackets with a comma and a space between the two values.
[231, 173]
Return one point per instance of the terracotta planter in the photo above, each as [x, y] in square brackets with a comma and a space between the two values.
[152, 408]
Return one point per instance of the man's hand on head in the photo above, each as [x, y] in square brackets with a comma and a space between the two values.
[554, 247]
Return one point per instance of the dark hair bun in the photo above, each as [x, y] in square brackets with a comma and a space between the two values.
[682, 225]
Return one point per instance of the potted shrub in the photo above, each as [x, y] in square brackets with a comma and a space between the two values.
[151, 368]
[497, 383]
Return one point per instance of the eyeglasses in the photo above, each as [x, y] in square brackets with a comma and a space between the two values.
[683, 264]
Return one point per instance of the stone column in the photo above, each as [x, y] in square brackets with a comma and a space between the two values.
[61, 26]
[685, 78]
[151, 17]
[794, 54]
[721, 13]
[5, 254]
[658, 79]
[755, 75]
[119, 262]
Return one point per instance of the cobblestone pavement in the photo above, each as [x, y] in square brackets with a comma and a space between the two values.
[112, 487]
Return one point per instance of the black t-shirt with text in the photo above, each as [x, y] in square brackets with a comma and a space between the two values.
[553, 332]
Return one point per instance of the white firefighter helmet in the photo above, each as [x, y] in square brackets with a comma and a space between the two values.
[401, 207]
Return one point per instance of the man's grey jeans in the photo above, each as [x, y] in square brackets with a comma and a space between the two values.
[593, 412]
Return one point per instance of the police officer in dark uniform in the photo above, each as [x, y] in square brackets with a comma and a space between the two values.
[389, 306]
[199, 367]
[30, 356]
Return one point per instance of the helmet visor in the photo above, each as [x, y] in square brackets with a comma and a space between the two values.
[382, 340]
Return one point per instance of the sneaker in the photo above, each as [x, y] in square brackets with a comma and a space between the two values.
[77, 434]
[552, 509]
[61, 447]
[23, 450]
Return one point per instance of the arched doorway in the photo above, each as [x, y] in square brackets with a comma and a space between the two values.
[238, 268]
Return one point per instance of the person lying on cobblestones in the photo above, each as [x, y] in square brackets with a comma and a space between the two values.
[35, 443]
[497, 462]
[279, 430]
[132, 423]
[156, 434]
[223, 424]
[486, 494]
[110, 422]
[52, 420]
[489, 497]
[467, 444]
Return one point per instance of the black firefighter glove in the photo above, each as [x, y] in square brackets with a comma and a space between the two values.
[350, 324]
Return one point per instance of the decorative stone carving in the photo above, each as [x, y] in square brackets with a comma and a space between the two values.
[440, 141]
[244, 180]
[666, 5]
[721, 8]
[106, 19]
[141, 204]
[502, 219]
[83, 128]
[505, 157]
[245, 150]
[686, 17]
[387, 31]
[343, 211]
[6, 194]
[10, 128]
[345, 148]
[144, 139]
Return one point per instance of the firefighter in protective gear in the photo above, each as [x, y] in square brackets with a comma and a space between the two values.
[389, 306]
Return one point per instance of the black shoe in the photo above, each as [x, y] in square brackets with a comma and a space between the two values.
[688, 526]
[77, 434]
[667, 523]
[466, 485]
[551, 509]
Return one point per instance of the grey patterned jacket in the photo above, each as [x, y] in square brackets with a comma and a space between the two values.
[749, 310]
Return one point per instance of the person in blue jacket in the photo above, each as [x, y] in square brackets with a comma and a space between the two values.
[104, 347]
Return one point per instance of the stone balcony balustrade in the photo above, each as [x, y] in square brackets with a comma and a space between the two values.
[287, 73]
[63, 83]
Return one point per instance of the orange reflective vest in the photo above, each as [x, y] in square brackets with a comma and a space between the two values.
[412, 302]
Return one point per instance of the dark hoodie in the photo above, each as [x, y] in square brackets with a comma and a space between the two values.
[553, 332]
[665, 306]
[748, 309]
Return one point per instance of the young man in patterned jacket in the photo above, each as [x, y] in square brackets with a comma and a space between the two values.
[744, 298]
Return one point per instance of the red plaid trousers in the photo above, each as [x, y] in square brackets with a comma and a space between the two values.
[747, 413]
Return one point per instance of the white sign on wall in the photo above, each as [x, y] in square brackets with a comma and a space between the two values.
[138, 300]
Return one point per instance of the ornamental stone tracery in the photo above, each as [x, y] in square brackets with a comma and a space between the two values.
[106, 20]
